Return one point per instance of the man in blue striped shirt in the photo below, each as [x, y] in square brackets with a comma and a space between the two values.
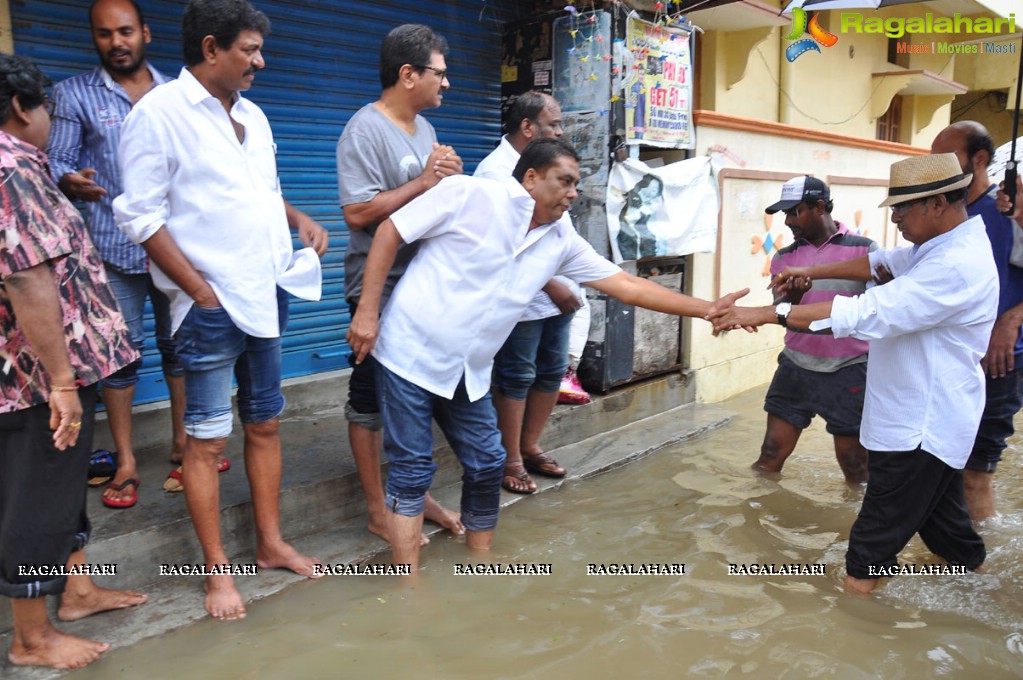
[83, 156]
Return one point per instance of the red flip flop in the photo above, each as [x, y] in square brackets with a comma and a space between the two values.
[123, 502]
[173, 483]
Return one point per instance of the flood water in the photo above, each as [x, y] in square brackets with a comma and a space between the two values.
[698, 504]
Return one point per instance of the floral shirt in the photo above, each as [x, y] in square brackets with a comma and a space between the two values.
[38, 225]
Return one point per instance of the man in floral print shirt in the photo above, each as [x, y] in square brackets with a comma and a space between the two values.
[61, 333]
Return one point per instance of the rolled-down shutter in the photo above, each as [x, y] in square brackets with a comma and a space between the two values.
[322, 66]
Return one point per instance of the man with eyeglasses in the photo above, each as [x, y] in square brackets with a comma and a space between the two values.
[817, 374]
[973, 146]
[388, 155]
[928, 329]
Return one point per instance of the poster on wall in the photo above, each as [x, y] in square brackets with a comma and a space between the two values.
[582, 55]
[658, 85]
[671, 210]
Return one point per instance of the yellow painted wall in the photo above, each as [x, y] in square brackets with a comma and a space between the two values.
[745, 80]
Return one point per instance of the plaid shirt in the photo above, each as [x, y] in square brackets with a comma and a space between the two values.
[39, 226]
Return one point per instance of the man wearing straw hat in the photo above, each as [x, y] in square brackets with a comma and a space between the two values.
[929, 328]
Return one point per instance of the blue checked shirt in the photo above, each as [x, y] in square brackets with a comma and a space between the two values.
[89, 111]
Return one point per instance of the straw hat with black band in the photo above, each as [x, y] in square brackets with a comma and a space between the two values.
[923, 176]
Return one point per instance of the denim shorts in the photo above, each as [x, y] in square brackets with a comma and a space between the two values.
[212, 349]
[1002, 404]
[797, 394]
[535, 356]
[470, 428]
[131, 291]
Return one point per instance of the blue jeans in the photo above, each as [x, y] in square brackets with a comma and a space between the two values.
[1002, 404]
[211, 349]
[470, 428]
[131, 291]
[535, 356]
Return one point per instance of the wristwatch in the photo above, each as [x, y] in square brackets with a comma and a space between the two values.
[782, 310]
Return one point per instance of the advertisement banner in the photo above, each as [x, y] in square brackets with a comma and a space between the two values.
[658, 80]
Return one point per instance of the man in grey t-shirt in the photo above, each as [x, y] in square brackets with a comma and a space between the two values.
[388, 155]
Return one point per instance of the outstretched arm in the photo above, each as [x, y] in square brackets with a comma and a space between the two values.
[856, 269]
[633, 290]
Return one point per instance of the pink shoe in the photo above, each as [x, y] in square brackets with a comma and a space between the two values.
[571, 391]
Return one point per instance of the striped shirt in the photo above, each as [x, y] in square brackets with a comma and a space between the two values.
[821, 351]
[89, 110]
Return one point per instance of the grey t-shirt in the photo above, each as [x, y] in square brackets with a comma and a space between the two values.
[374, 155]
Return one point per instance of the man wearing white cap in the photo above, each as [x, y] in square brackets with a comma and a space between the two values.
[817, 374]
[929, 328]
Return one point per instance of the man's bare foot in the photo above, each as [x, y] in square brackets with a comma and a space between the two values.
[55, 650]
[378, 526]
[223, 601]
[283, 556]
[81, 602]
[859, 586]
[449, 519]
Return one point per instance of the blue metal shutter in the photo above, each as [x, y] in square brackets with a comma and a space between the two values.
[322, 66]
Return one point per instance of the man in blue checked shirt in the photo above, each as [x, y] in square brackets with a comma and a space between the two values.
[83, 156]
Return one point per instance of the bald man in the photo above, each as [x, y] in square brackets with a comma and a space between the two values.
[89, 110]
[973, 146]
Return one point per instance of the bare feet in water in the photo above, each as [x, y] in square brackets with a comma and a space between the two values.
[223, 601]
[433, 511]
[449, 519]
[79, 602]
[282, 556]
[54, 649]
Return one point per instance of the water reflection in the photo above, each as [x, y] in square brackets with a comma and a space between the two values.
[696, 504]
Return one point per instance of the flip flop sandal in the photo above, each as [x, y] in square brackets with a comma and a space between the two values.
[543, 465]
[102, 467]
[123, 503]
[173, 482]
[522, 476]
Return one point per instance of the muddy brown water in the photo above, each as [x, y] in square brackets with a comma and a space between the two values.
[695, 504]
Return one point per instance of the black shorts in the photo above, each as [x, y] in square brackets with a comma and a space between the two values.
[911, 492]
[796, 395]
[42, 498]
[363, 407]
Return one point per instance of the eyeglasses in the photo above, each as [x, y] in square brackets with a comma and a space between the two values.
[901, 209]
[441, 73]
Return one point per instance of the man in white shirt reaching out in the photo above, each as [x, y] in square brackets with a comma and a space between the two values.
[486, 249]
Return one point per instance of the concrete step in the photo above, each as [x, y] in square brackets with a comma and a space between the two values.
[322, 509]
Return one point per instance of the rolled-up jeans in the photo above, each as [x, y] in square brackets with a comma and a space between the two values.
[470, 428]
[212, 349]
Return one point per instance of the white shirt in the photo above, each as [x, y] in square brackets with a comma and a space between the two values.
[929, 329]
[499, 165]
[219, 199]
[477, 268]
